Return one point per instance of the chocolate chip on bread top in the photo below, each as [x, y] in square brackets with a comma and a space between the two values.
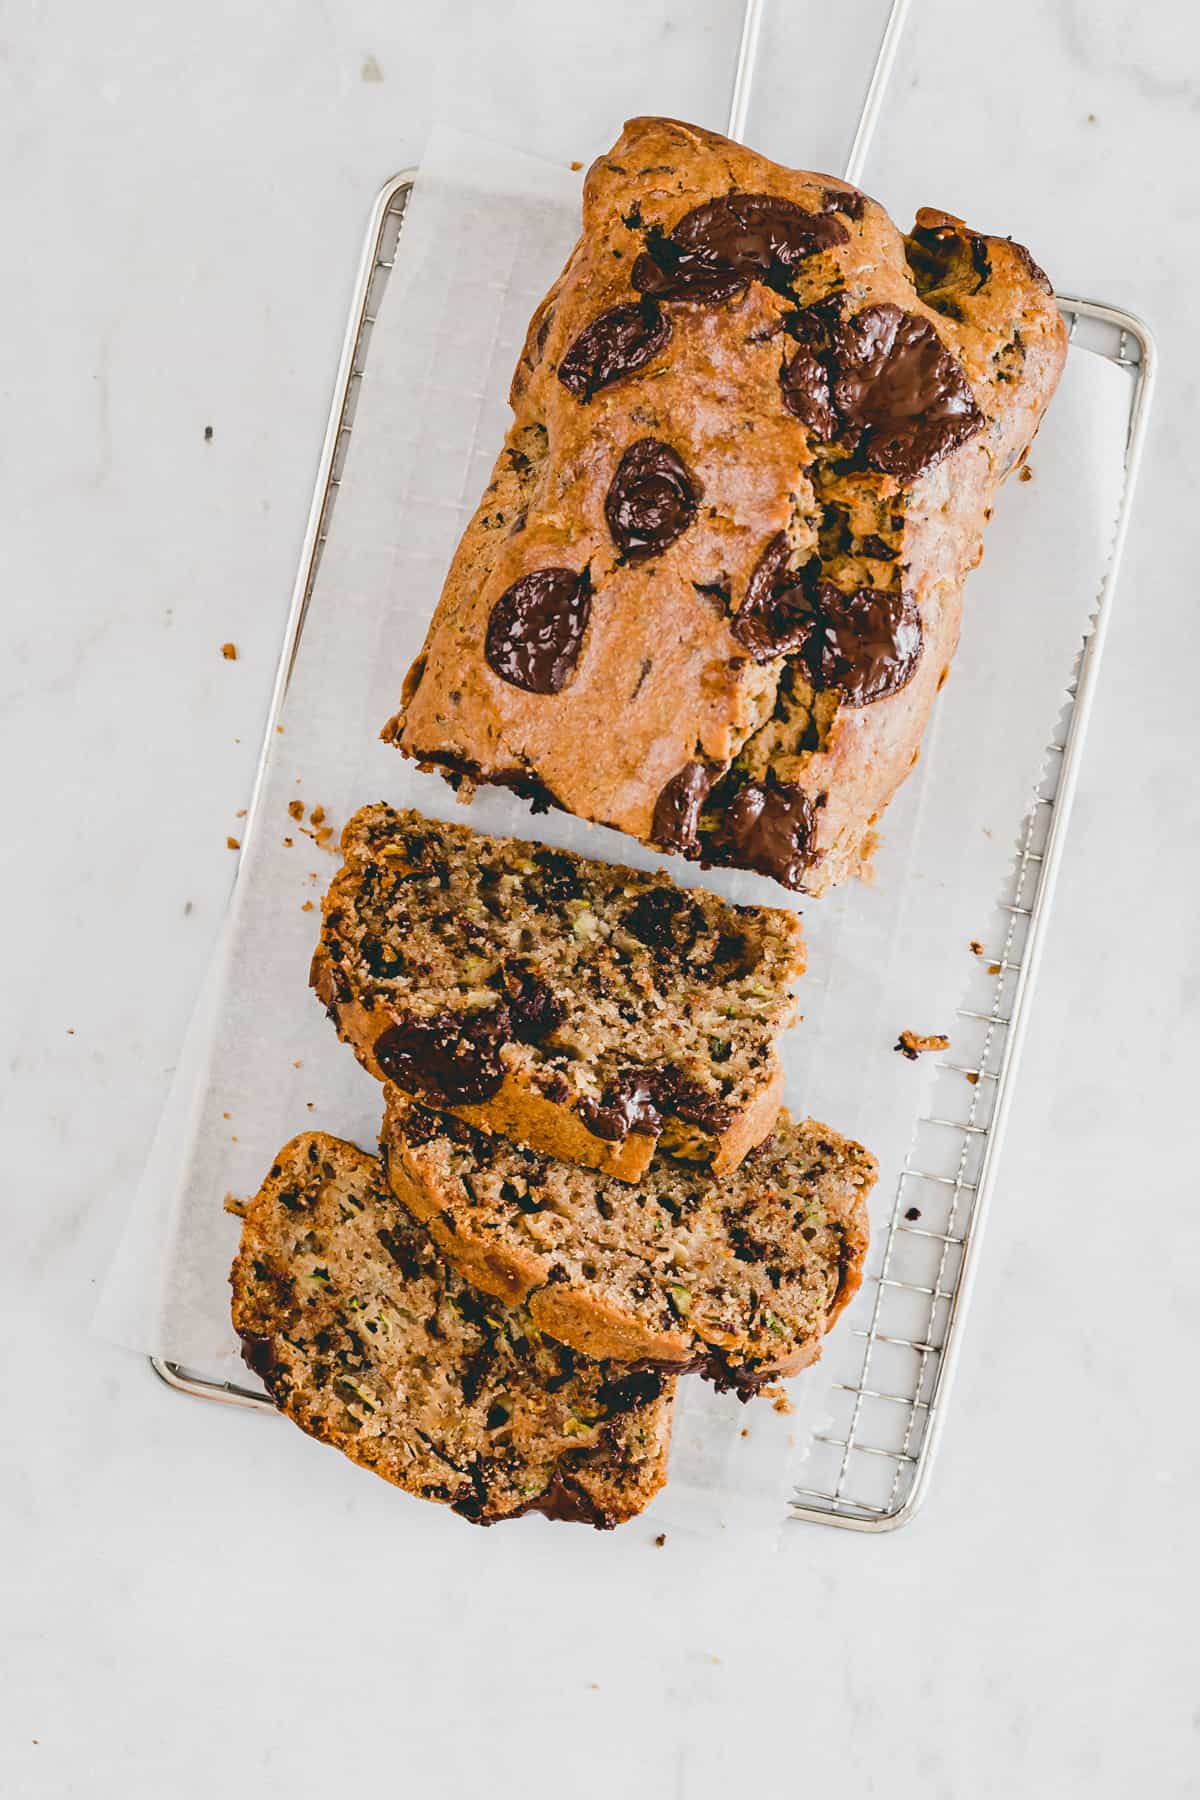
[716, 580]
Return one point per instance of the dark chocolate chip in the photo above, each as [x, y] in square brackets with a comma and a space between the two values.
[875, 546]
[694, 1104]
[898, 390]
[804, 384]
[677, 809]
[640, 1387]
[535, 629]
[559, 875]
[534, 1008]
[616, 343]
[850, 201]
[401, 1246]
[868, 645]
[665, 919]
[629, 1104]
[770, 828]
[638, 1098]
[451, 1057]
[947, 262]
[564, 1502]
[258, 1354]
[718, 248]
[776, 616]
[651, 501]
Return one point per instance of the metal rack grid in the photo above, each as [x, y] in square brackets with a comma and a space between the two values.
[871, 1468]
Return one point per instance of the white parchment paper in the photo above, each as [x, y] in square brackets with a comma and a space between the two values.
[486, 232]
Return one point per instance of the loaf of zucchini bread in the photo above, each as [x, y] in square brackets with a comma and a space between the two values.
[738, 1276]
[715, 582]
[366, 1338]
[587, 1010]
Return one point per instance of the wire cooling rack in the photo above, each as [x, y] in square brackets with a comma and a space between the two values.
[869, 1470]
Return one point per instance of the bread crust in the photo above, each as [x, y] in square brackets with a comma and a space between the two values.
[662, 683]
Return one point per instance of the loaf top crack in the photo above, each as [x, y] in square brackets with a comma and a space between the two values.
[370, 1342]
[715, 581]
[590, 1010]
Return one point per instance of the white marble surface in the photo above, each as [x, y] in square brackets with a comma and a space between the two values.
[194, 1599]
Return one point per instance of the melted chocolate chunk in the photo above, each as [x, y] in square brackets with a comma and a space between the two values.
[899, 392]
[535, 629]
[717, 249]
[652, 500]
[770, 828]
[258, 1354]
[638, 1098]
[401, 1246]
[869, 643]
[616, 343]
[665, 919]
[559, 875]
[640, 1387]
[630, 1104]
[946, 261]
[694, 1104]
[451, 1057]
[776, 616]
[876, 547]
[565, 1502]
[677, 809]
[805, 385]
[850, 201]
[534, 1009]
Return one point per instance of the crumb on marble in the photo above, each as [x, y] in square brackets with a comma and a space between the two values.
[660, 1540]
[296, 809]
[913, 1044]
[307, 907]
[914, 1212]
[1027, 473]
[976, 947]
[229, 652]
[231, 843]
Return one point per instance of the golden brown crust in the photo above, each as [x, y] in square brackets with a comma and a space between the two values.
[661, 680]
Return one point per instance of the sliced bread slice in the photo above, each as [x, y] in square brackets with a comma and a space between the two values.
[589, 1011]
[370, 1342]
[739, 1276]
